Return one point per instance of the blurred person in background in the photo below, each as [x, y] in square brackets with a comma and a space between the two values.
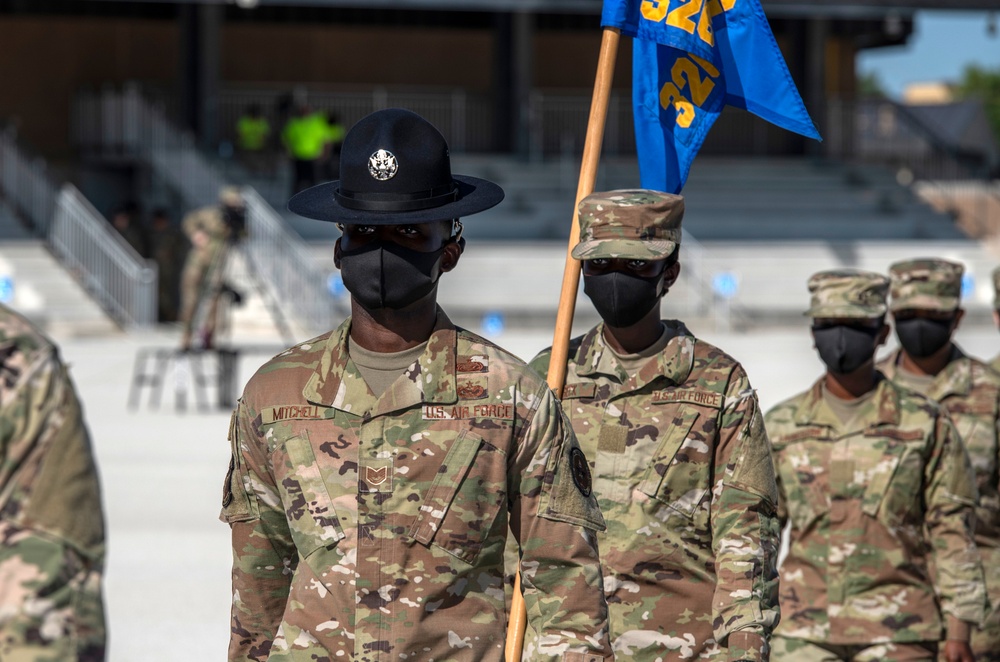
[306, 139]
[126, 221]
[252, 133]
[167, 247]
[212, 231]
[51, 520]
[926, 298]
[335, 138]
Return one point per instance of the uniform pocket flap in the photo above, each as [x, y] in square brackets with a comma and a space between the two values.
[878, 478]
[309, 508]
[446, 483]
[660, 480]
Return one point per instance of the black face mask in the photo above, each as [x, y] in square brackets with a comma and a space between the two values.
[844, 348]
[622, 299]
[921, 336]
[387, 275]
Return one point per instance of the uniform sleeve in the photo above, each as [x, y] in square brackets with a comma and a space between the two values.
[191, 223]
[540, 364]
[51, 559]
[554, 517]
[771, 424]
[950, 495]
[264, 556]
[745, 529]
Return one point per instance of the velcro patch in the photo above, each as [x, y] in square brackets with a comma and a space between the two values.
[612, 438]
[579, 390]
[807, 433]
[453, 412]
[895, 433]
[690, 395]
[290, 412]
[473, 363]
[472, 388]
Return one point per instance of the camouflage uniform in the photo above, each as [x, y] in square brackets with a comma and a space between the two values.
[682, 469]
[51, 525]
[372, 528]
[970, 392]
[881, 512]
[201, 280]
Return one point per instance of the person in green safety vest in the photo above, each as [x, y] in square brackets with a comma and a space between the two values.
[334, 137]
[252, 133]
[305, 137]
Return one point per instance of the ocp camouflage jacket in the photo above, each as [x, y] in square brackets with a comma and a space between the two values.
[874, 506]
[372, 528]
[683, 475]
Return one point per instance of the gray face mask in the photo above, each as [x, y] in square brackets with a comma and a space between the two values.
[383, 274]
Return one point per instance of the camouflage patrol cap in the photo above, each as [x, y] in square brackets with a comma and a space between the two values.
[996, 288]
[633, 224]
[848, 293]
[926, 284]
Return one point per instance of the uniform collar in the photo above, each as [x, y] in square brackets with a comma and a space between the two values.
[813, 412]
[336, 382]
[955, 379]
[675, 362]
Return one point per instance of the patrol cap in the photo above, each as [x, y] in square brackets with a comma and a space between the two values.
[926, 284]
[395, 170]
[848, 293]
[231, 196]
[996, 288]
[632, 224]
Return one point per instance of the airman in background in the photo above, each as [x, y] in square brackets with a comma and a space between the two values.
[880, 495]
[926, 298]
[995, 363]
[211, 231]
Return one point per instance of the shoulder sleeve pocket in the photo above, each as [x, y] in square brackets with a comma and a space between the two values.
[238, 502]
[567, 493]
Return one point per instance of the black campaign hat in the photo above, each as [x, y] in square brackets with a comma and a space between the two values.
[395, 169]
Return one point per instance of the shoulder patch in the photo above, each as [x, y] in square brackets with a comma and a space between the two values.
[581, 471]
[692, 396]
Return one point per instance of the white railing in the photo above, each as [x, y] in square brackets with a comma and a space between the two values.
[124, 124]
[282, 260]
[25, 183]
[112, 271]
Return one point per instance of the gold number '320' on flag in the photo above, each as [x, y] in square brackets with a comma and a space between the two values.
[691, 58]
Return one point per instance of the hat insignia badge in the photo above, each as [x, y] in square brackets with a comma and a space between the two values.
[382, 165]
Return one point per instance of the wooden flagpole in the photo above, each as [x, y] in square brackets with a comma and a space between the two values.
[571, 279]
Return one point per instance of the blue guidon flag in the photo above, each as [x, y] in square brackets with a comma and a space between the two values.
[690, 59]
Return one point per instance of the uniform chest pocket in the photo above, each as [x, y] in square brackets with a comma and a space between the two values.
[309, 510]
[894, 477]
[671, 478]
[462, 503]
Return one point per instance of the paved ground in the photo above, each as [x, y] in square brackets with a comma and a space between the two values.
[168, 566]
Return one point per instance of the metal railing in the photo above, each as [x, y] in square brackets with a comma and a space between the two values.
[25, 183]
[282, 260]
[124, 124]
[122, 282]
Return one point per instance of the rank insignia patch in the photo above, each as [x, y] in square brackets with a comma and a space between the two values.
[376, 476]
